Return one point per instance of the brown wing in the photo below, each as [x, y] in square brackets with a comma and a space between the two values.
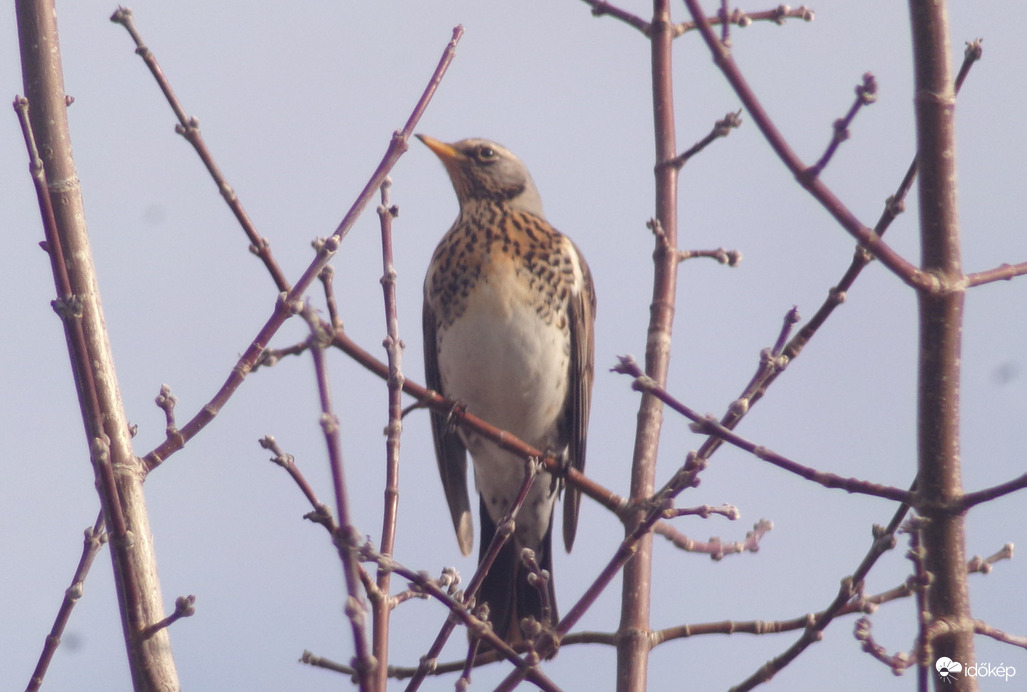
[581, 313]
[449, 450]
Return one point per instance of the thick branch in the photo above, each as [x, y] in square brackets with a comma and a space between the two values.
[119, 474]
[634, 640]
[939, 480]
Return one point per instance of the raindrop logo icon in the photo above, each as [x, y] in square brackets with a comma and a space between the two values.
[947, 668]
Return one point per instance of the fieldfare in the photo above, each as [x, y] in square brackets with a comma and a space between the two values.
[509, 309]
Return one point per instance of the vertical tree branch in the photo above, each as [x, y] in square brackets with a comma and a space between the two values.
[119, 473]
[382, 603]
[346, 537]
[939, 482]
[634, 639]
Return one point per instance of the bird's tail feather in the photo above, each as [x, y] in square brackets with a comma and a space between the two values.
[506, 589]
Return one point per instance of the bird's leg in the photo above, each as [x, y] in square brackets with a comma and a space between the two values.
[457, 407]
[564, 463]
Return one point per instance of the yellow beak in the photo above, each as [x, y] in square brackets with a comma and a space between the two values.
[444, 151]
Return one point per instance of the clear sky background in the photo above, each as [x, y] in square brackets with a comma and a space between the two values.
[297, 103]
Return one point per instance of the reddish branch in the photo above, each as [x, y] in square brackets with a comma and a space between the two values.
[710, 426]
[346, 537]
[95, 537]
[806, 176]
[939, 477]
[633, 640]
[250, 358]
[189, 128]
[380, 605]
[737, 17]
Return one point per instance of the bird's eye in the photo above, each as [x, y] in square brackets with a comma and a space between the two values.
[486, 153]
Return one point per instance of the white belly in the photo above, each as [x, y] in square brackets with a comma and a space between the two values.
[510, 368]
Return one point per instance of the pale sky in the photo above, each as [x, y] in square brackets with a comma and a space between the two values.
[297, 106]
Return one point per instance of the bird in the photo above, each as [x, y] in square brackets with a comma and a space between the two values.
[508, 320]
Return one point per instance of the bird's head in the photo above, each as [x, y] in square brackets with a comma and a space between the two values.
[483, 171]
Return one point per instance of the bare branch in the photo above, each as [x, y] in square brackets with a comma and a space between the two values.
[984, 564]
[722, 128]
[778, 15]
[918, 584]
[95, 537]
[704, 511]
[709, 425]
[117, 470]
[731, 258]
[394, 350]
[867, 238]
[189, 128]
[397, 147]
[715, 547]
[897, 662]
[866, 93]
[939, 474]
[601, 8]
[1003, 272]
[884, 540]
[981, 627]
[346, 536]
[185, 606]
[322, 514]
[969, 500]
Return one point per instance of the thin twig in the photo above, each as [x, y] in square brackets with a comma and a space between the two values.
[919, 583]
[884, 540]
[981, 627]
[326, 277]
[601, 8]
[731, 258]
[985, 564]
[778, 15]
[894, 205]
[704, 511]
[189, 128]
[716, 548]
[346, 537]
[866, 93]
[897, 662]
[322, 514]
[721, 128]
[397, 146]
[95, 537]
[456, 607]
[907, 271]
[968, 500]
[1003, 272]
[711, 426]
[185, 606]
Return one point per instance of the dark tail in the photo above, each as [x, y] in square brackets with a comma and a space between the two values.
[506, 589]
